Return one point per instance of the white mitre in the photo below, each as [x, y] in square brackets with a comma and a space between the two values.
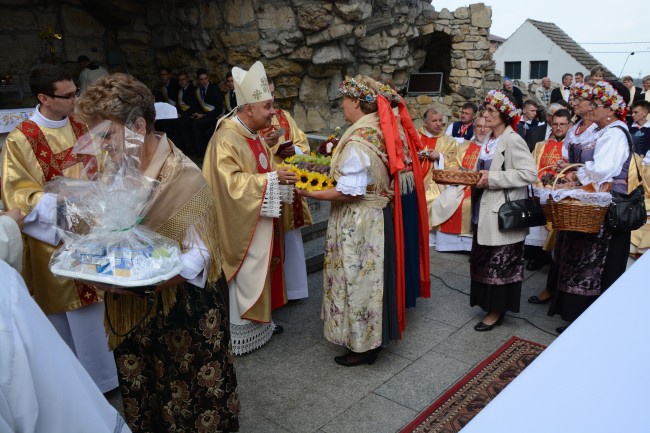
[251, 86]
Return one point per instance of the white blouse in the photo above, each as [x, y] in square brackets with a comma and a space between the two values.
[611, 152]
[355, 176]
[488, 148]
[585, 137]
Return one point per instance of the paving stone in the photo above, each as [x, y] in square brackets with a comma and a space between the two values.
[421, 334]
[419, 384]
[372, 414]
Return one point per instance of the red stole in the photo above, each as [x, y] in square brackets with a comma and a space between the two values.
[394, 149]
[455, 223]
[430, 144]
[53, 165]
[284, 123]
[278, 298]
[551, 152]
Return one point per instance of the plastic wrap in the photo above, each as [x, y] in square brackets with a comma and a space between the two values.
[98, 218]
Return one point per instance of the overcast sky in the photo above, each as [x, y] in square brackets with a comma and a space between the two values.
[594, 21]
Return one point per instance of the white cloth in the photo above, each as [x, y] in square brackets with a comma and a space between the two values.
[87, 76]
[536, 236]
[355, 178]
[43, 387]
[450, 132]
[549, 131]
[295, 272]
[40, 223]
[41, 120]
[165, 110]
[9, 119]
[488, 148]
[610, 153]
[446, 242]
[11, 243]
[595, 373]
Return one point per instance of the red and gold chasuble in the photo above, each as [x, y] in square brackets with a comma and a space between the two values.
[53, 165]
[428, 143]
[459, 223]
[548, 156]
[278, 298]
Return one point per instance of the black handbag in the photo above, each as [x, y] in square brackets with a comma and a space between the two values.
[627, 212]
[519, 214]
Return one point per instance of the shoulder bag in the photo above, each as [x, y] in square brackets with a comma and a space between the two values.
[627, 212]
[519, 214]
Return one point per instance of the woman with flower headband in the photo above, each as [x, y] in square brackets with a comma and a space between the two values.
[590, 263]
[359, 306]
[496, 263]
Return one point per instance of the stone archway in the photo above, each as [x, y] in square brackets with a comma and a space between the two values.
[434, 51]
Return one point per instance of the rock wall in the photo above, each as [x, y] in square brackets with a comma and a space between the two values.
[308, 46]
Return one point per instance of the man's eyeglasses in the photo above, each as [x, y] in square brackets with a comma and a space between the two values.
[597, 105]
[75, 94]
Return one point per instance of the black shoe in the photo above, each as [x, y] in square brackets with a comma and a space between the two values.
[482, 327]
[352, 359]
[278, 329]
[535, 300]
[560, 329]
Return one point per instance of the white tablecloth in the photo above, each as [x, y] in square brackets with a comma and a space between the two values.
[10, 118]
[594, 378]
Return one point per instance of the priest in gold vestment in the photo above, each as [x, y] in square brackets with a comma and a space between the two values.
[441, 153]
[286, 139]
[38, 150]
[249, 191]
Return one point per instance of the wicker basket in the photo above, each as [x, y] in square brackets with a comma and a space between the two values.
[574, 215]
[455, 177]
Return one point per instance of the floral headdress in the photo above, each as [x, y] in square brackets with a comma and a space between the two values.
[354, 89]
[604, 92]
[389, 93]
[581, 90]
[501, 103]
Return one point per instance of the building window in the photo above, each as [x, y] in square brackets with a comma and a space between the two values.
[513, 70]
[538, 69]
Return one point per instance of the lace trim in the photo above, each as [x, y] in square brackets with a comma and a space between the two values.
[597, 198]
[351, 189]
[286, 194]
[251, 336]
[272, 198]
[406, 182]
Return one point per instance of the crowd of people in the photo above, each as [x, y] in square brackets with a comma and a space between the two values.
[170, 347]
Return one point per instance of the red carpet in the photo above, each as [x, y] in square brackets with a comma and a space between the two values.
[456, 407]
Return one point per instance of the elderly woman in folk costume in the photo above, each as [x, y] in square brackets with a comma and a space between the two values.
[359, 309]
[496, 264]
[182, 347]
[590, 263]
[410, 210]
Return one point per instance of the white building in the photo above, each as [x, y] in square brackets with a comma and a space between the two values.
[537, 49]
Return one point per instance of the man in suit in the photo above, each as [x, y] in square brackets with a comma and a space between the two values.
[640, 127]
[529, 128]
[167, 92]
[204, 122]
[187, 105]
[229, 98]
[564, 91]
[464, 129]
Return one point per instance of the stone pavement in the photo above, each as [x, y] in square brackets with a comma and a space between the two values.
[293, 385]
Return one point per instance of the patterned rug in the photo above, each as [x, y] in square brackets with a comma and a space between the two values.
[456, 407]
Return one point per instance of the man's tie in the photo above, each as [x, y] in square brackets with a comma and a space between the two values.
[233, 100]
[203, 93]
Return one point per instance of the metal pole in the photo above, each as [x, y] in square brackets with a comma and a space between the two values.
[623, 68]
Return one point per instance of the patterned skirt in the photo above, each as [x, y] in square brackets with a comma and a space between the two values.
[177, 373]
[497, 273]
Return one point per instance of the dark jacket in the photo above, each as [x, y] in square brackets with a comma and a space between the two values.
[214, 98]
[186, 101]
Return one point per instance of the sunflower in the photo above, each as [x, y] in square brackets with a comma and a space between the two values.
[303, 178]
[326, 183]
[313, 181]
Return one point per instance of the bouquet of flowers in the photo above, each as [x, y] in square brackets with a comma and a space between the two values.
[99, 219]
[313, 170]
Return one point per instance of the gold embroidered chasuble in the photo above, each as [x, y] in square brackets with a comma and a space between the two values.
[23, 183]
[299, 138]
[231, 170]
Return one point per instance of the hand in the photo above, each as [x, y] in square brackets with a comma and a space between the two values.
[560, 165]
[198, 116]
[571, 176]
[483, 181]
[15, 215]
[434, 155]
[271, 138]
[286, 176]
[303, 192]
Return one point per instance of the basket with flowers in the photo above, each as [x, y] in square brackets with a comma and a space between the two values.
[313, 170]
